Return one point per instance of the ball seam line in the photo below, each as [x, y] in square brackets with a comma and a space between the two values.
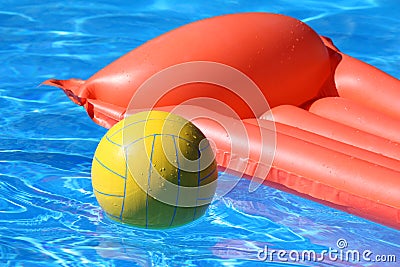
[126, 178]
[179, 181]
[148, 179]
[108, 168]
[106, 194]
[198, 184]
[208, 175]
[112, 142]
[204, 148]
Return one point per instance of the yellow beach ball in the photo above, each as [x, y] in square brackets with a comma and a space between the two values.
[154, 169]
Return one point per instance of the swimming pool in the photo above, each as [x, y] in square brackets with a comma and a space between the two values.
[48, 213]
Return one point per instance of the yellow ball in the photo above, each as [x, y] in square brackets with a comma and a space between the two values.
[155, 170]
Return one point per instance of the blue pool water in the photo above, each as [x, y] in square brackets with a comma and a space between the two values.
[48, 213]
